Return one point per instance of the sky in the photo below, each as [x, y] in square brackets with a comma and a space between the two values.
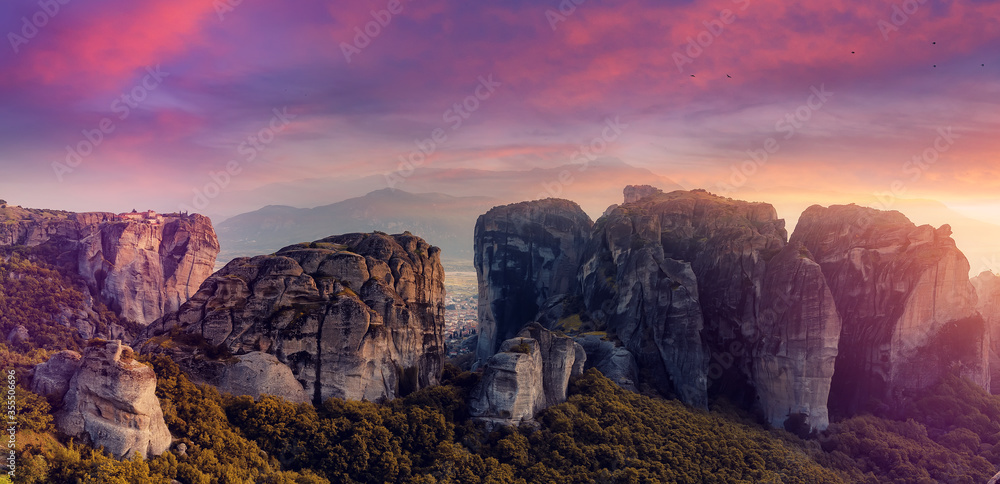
[113, 105]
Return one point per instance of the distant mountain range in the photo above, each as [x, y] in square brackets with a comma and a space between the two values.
[419, 204]
[443, 220]
[594, 186]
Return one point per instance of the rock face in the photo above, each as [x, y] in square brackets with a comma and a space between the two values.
[678, 278]
[904, 296]
[524, 253]
[612, 360]
[529, 374]
[141, 269]
[257, 374]
[987, 287]
[634, 193]
[51, 379]
[357, 316]
[698, 296]
[18, 335]
[109, 399]
[796, 349]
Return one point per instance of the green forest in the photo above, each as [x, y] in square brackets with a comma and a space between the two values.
[602, 434]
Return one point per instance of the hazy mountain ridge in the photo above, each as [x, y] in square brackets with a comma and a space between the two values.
[596, 183]
[443, 219]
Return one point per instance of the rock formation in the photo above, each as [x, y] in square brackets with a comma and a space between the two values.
[634, 193]
[524, 253]
[696, 295]
[357, 316]
[257, 374]
[141, 269]
[51, 379]
[529, 374]
[18, 335]
[108, 398]
[612, 360]
[987, 286]
[678, 278]
[904, 296]
[795, 350]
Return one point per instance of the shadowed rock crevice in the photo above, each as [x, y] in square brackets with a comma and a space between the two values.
[987, 286]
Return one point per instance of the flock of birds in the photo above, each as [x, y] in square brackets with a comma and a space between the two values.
[853, 52]
[935, 65]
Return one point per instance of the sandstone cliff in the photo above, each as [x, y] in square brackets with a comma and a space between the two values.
[51, 379]
[141, 269]
[988, 289]
[795, 350]
[357, 316]
[529, 374]
[107, 398]
[678, 278]
[904, 296]
[524, 253]
[697, 296]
